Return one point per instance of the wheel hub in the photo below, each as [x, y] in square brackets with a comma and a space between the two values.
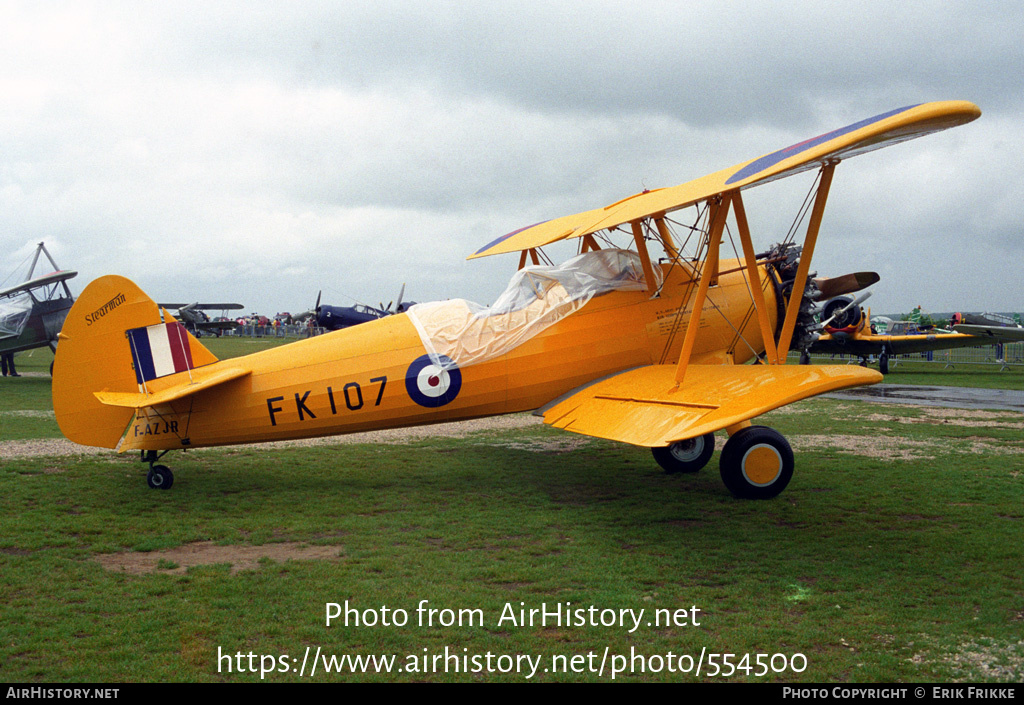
[688, 450]
[762, 465]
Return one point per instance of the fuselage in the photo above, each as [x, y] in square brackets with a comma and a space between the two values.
[371, 376]
[42, 327]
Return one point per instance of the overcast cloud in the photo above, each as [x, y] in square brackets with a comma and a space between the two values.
[259, 152]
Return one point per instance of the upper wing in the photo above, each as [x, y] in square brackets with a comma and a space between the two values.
[873, 133]
[642, 406]
[52, 278]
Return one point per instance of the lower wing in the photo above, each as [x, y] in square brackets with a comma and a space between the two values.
[645, 407]
[896, 344]
[989, 334]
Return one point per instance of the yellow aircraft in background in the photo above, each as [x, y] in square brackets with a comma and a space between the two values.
[612, 343]
[849, 331]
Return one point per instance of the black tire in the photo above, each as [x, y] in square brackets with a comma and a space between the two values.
[160, 477]
[756, 463]
[686, 456]
[883, 363]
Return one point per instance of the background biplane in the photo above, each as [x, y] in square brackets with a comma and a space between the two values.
[32, 313]
[611, 343]
[849, 332]
[197, 321]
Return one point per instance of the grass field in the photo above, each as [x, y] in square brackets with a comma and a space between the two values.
[894, 555]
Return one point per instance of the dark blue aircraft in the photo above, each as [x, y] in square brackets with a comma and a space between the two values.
[338, 317]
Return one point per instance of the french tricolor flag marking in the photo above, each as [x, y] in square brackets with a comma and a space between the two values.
[159, 351]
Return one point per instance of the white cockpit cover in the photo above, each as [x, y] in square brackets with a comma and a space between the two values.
[537, 297]
[14, 314]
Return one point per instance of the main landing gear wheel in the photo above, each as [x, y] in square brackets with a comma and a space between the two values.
[883, 363]
[160, 477]
[686, 456]
[756, 463]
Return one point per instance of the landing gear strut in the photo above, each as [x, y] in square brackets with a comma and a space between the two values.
[159, 477]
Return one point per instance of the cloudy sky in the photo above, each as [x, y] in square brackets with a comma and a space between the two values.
[261, 151]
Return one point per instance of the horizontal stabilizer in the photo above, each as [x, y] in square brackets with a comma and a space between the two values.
[132, 400]
[644, 407]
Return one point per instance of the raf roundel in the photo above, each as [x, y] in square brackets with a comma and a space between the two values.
[430, 384]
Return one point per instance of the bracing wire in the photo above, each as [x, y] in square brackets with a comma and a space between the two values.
[703, 243]
[15, 270]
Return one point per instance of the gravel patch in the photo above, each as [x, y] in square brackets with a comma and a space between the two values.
[179, 560]
[976, 660]
[898, 448]
[41, 447]
[456, 429]
[887, 447]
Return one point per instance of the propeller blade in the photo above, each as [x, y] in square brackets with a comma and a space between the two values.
[845, 284]
[401, 293]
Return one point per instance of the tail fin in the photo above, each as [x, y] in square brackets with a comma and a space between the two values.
[98, 352]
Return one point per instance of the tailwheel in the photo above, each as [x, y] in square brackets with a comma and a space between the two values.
[756, 463]
[686, 456]
[160, 477]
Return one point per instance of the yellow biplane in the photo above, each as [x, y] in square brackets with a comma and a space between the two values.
[612, 343]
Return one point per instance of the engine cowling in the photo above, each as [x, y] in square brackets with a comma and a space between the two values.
[843, 321]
